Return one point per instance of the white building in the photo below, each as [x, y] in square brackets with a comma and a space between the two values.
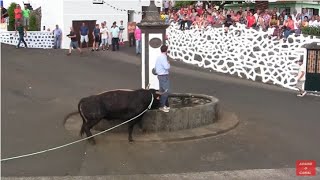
[67, 13]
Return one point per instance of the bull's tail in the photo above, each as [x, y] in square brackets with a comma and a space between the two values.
[83, 119]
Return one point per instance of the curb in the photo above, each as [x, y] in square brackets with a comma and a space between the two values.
[246, 174]
[227, 122]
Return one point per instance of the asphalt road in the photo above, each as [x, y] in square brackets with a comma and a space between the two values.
[39, 87]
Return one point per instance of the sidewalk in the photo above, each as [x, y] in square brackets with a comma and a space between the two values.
[251, 174]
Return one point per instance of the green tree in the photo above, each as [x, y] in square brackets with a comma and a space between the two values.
[179, 4]
[11, 8]
[261, 5]
[33, 23]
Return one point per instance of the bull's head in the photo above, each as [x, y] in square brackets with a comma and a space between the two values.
[156, 98]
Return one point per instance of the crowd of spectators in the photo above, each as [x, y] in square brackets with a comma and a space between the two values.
[281, 24]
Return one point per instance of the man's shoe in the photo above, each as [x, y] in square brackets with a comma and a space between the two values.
[304, 93]
[299, 95]
[167, 107]
[164, 109]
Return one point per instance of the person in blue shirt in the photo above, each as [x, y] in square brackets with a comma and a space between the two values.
[162, 70]
[96, 38]
[84, 32]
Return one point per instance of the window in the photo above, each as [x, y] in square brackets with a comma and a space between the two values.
[287, 9]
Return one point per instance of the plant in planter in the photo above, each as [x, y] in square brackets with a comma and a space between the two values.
[33, 23]
[11, 16]
[313, 31]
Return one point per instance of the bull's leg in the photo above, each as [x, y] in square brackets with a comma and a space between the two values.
[87, 128]
[130, 130]
[141, 126]
[131, 126]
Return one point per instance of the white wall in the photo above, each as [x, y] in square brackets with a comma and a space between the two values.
[246, 53]
[74, 10]
[51, 14]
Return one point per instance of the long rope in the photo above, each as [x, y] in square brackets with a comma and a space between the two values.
[65, 145]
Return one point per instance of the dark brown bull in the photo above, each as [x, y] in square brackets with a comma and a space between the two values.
[117, 104]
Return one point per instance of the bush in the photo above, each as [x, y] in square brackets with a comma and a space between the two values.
[313, 31]
[33, 23]
[179, 4]
[11, 8]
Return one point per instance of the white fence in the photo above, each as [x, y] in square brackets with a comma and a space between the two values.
[34, 39]
[243, 52]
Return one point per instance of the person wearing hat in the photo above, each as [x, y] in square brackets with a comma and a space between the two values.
[301, 78]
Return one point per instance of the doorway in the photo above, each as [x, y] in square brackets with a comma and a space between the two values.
[130, 16]
[313, 70]
[90, 24]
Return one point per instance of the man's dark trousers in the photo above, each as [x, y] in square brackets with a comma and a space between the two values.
[115, 42]
[131, 39]
[164, 84]
[21, 38]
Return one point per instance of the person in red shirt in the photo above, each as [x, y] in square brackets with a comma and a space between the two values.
[199, 10]
[17, 13]
[289, 27]
[251, 20]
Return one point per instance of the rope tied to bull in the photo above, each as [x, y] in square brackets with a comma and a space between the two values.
[80, 140]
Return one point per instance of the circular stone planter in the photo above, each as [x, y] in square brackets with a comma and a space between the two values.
[187, 111]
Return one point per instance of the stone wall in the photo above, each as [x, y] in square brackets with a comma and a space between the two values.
[244, 52]
[34, 39]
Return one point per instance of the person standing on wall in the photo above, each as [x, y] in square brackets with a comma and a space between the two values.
[17, 15]
[57, 37]
[115, 31]
[26, 16]
[22, 33]
[121, 27]
[4, 15]
[301, 78]
[162, 70]
[131, 29]
[74, 42]
[84, 34]
[137, 35]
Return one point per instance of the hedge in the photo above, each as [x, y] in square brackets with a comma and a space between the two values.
[313, 31]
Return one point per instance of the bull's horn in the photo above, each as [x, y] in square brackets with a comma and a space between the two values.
[148, 86]
[160, 93]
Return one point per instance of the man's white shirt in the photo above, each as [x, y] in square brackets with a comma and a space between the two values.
[104, 33]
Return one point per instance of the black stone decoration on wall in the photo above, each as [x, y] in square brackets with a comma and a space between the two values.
[155, 42]
[43, 40]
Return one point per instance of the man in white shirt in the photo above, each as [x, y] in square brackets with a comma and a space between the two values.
[313, 22]
[122, 28]
[305, 13]
[166, 5]
[301, 78]
[115, 31]
[256, 15]
[104, 36]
